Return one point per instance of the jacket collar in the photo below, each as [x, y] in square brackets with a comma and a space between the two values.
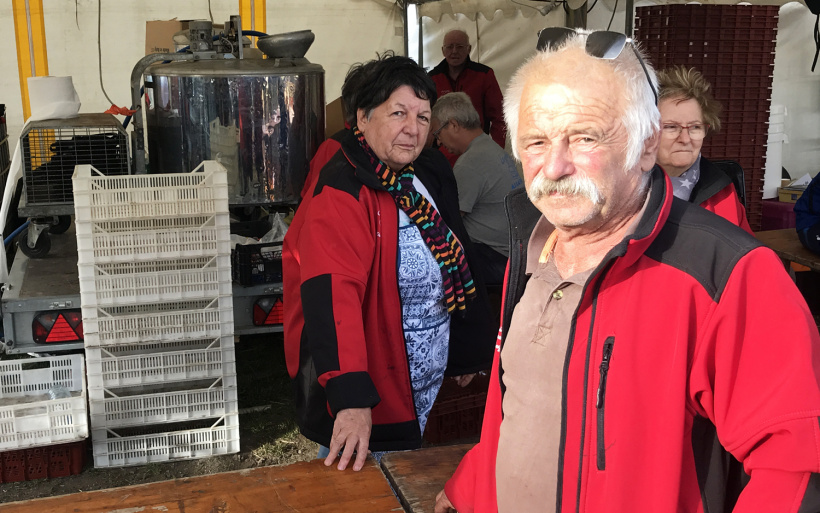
[443, 67]
[364, 170]
[712, 180]
[650, 223]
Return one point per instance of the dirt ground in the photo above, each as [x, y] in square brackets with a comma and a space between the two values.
[268, 433]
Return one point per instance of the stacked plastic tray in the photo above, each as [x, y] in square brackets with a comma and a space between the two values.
[733, 46]
[155, 283]
[42, 402]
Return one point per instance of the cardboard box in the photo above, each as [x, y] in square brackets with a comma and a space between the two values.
[159, 35]
[789, 194]
[334, 117]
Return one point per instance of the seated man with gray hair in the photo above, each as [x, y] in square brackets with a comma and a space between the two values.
[485, 174]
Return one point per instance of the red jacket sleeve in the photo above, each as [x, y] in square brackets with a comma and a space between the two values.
[755, 376]
[494, 109]
[337, 248]
[472, 487]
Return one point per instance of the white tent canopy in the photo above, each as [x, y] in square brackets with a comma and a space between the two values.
[435, 9]
[503, 34]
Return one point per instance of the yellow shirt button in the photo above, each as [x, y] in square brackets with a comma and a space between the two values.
[558, 294]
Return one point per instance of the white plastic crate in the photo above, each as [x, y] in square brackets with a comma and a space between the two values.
[112, 449]
[162, 362]
[115, 410]
[160, 322]
[151, 240]
[155, 281]
[98, 197]
[28, 415]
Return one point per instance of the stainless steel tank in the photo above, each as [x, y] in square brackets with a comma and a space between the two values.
[263, 119]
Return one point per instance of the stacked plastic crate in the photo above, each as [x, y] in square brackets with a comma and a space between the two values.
[43, 417]
[155, 283]
[733, 46]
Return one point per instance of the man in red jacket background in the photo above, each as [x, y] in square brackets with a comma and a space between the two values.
[457, 73]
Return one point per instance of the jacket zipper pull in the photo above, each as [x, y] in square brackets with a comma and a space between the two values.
[599, 402]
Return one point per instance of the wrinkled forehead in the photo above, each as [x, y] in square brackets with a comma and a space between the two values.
[579, 77]
[456, 38]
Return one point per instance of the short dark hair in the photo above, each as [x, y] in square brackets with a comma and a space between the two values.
[384, 75]
[354, 82]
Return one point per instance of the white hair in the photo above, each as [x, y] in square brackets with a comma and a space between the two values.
[641, 118]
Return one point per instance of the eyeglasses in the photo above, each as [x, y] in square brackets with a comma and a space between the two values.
[442, 127]
[450, 48]
[696, 131]
[601, 44]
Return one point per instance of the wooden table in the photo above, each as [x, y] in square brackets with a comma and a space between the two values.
[417, 476]
[307, 487]
[788, 247]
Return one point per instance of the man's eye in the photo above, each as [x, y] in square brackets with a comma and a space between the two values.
[670, 126]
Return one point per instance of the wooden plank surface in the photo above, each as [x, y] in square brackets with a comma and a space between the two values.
[417, 476]
[788, 247]
[307, 487]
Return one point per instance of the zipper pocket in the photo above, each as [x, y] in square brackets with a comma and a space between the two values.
[599, 401]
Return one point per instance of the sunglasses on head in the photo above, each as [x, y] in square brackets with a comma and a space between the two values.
[600, 44]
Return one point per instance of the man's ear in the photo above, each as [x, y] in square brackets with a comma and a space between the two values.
[650, 152]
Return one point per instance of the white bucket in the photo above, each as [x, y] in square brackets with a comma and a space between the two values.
[774, 164]
[774, 150]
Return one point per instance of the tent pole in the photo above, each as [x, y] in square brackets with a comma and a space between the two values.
[405, 17]
[629, 17]
[421, 41]
[577, 18]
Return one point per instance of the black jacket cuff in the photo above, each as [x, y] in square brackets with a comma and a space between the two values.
[351, 390]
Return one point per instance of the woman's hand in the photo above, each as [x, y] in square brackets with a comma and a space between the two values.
[443, 504]
[351, 430]
[464, 379]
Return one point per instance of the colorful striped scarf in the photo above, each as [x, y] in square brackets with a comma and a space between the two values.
[445, 247]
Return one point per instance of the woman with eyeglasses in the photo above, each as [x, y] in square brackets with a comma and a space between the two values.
[688, 114]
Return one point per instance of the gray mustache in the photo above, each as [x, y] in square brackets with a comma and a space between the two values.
[569, 185]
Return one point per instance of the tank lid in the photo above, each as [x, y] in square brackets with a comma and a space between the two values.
[231, 67]
[289, 45]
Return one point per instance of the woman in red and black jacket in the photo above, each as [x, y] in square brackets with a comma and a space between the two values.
[688, 114]
[367, 329]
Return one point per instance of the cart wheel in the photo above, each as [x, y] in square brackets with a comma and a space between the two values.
[40, 249]
[62, 224]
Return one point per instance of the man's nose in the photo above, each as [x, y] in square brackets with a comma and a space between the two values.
[411, 125]
[683, 136]
[558, 162]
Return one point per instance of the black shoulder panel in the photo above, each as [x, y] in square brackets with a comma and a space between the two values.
[712, 180]
[701, 244]
[478, 67]
[440, 68]
[811, 500]
[338, 174]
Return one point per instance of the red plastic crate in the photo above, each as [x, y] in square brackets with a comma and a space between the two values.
[41, 462]
[458, 412]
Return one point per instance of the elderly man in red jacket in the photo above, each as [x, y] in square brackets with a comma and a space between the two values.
[457, 73]
[647, 344]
